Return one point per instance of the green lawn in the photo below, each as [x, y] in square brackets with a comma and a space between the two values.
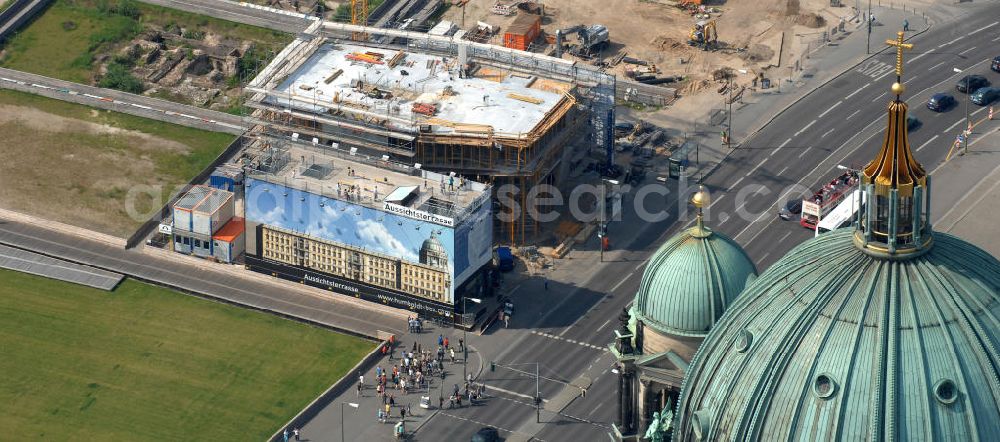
[64, 41]
[146, 363]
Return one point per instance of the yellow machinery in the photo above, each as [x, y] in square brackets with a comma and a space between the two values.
[703, 34]
[359, 16]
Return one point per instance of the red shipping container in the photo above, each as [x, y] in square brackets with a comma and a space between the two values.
[524, 30]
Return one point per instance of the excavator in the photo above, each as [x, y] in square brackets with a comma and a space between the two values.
[593, 39]
[704, 35]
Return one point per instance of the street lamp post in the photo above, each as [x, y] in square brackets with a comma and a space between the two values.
[968, 98]
[353, 405]
[465, 335]
[868, 48]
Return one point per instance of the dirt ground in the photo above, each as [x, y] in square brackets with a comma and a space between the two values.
[81, 172]
[759, 37]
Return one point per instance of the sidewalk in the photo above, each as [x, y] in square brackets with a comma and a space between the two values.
[361, 423]
[756, 109]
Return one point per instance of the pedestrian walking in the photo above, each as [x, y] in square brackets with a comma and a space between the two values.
[408, 410]
[284, 435]
[388, 408]
[546, 281]
[440, 402]
[359, 390]
[295, 433]
[392, 401]
[446, 343]
[461, 344]
[453, 356]
[402, 413]
[361, 378]
[906, 25]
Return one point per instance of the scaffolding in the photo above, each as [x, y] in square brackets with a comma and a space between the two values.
[478, 151]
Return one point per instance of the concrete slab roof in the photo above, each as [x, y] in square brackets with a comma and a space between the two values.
[511, 103]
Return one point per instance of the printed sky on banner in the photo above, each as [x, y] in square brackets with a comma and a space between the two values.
[342, 222]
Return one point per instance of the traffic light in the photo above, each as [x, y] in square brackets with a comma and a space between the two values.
[493, 366]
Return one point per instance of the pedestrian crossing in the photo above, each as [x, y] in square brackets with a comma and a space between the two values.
[571, 341]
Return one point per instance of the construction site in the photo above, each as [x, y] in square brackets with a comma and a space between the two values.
[483, 112]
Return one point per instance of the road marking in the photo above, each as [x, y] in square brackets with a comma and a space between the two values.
[782, 171]
[917, 57]
[955, 40]
[806, 127]
[785, 236]
[995, 39]
[939, 64]
[781, 146]
[828, 133]
[622, 281]
[804, 152]
[605, 324]
[858, 90]
[967, 50]
[761, 163]
[830, 108]
[762, 258]
[852, 114]
[879, 97]
[560, 338]
[736, 183]
[953, 126]
[928, 142]
[985, 27]
[506, 391]
[598, 407]
[978, 111]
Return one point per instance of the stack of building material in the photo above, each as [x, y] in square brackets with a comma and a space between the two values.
[364, 58]
[525, 98]
[396, 59]
[425, 109]
[336, 73]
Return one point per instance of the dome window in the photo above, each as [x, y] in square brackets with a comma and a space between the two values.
[743, 341]
[700, 424]
[945, 391]
[824, 387]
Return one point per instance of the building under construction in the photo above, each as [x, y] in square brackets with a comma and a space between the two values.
[489, 113]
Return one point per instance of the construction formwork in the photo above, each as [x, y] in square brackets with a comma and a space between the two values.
[522, 159]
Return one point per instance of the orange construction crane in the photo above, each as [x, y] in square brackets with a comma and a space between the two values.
[359, 16]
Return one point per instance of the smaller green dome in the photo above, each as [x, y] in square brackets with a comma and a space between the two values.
[690, 281]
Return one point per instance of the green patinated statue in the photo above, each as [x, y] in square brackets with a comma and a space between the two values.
[660, 425]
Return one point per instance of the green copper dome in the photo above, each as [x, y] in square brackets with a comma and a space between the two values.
[833, 343]
[690, 281]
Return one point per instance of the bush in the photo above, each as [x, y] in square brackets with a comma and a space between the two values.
[194, 35]
[119, 77]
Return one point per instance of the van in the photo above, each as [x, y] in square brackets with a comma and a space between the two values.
[504, 258]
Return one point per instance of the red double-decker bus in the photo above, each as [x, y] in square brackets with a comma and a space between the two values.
[826, 199]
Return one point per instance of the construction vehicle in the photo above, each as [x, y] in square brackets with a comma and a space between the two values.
[593, 39]
[704, 35]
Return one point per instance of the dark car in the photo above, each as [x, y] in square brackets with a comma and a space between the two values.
[940, 102]
[971, 83]
[985, 95]
[912, 123]
[791, 210]
[995, 65]
[486, 434]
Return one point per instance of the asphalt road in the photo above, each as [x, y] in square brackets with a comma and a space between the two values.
[842, 123]
[119, 101]
[839, 123]
[241, 13]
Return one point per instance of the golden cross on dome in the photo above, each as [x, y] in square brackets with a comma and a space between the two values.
[898, 43]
